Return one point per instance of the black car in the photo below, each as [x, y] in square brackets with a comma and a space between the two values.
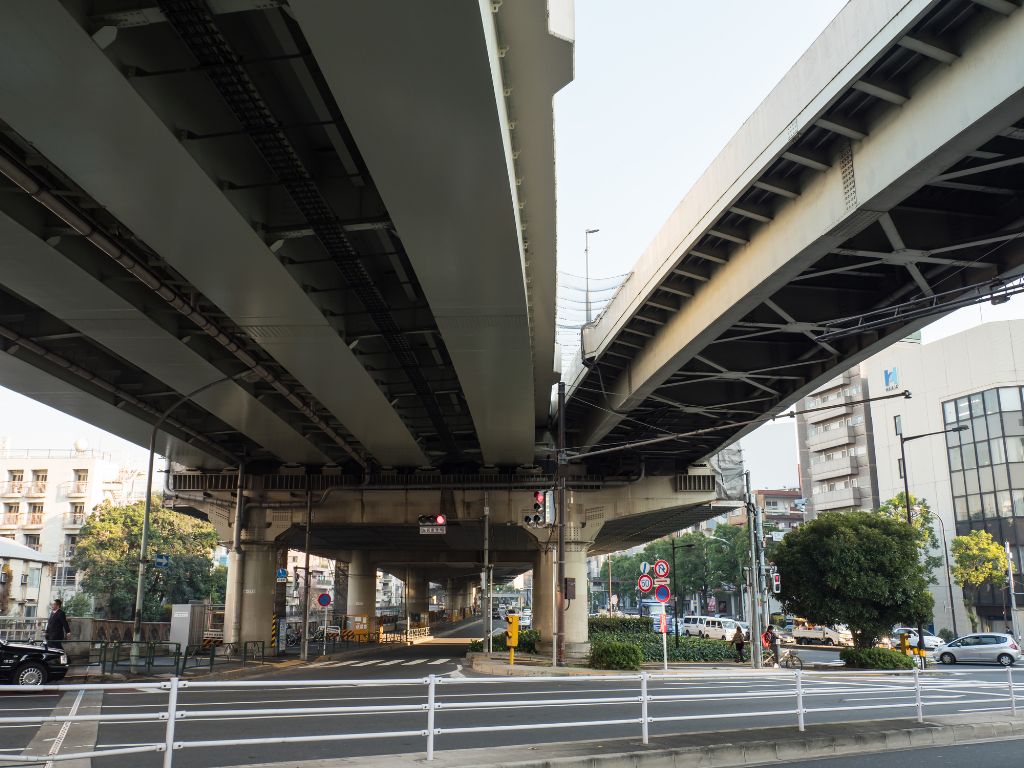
[27, 664]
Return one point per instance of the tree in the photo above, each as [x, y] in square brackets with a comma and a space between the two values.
[856, 568]
[977, 560]
[922, 520]
[78, 605]
[108, 551]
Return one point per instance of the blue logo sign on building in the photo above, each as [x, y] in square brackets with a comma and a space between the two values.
[892, 379]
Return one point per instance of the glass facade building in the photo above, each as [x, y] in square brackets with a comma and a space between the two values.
[986, 469]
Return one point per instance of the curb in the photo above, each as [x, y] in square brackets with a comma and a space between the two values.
[803, 746]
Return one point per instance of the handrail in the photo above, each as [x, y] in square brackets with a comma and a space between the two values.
[919, 690]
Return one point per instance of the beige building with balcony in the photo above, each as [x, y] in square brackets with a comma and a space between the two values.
[45, 497]
[837, 456]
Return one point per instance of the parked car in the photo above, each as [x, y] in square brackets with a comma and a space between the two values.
[980, 647]
[931, 642]
[692, 626]
[719, 629]
[26, 664]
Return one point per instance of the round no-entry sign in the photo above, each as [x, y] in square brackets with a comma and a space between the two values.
[645, 583]
[324, 600]
[662, 594]
[661, 568]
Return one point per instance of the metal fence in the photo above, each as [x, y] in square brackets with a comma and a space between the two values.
[787, 695]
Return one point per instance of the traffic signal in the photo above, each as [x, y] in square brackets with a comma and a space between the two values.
[513, 630]
[776, 583]
[433, 519]
[536, 519]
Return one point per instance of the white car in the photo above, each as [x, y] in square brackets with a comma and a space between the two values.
[931, 642]
[981, 647]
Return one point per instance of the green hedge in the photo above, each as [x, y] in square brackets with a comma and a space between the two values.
[640, 632]
[608, 653]
[875, 658]
[528, 639]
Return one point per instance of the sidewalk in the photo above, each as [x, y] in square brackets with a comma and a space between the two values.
[537, 666]
[752, 746]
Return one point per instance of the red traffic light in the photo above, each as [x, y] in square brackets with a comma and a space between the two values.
[440, 520]
[538, 501]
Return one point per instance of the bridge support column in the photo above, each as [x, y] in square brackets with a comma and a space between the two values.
[577, 637]
[543, 574]
[259, 590]
[362, 585]
[418, 594]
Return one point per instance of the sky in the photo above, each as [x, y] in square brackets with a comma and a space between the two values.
[660, 87]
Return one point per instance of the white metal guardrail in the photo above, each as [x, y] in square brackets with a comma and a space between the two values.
[794, 691]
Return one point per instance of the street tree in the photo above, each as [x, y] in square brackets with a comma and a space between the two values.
[923, 520]
[861, 569]
[977, 560]
[108, 550]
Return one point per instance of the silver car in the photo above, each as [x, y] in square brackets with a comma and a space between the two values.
[981, 647]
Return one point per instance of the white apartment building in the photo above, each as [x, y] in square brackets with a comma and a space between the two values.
[45, 497]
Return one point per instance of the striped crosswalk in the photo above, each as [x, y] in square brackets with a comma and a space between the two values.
[383, 662]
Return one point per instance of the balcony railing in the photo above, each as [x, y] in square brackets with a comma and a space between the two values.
[76, 519]
[34, 519]
[12, 488]
[839, 408]
[826, 470]
[9, 518]
[831, 438]
[839, 499]
[76, 488]
[36, 488]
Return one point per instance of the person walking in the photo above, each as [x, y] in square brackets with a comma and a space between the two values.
[57, 628]
[738, 640]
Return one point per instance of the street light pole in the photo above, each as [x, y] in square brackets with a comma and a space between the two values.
[586, 256]
[675, 594]
[910, 518]
[140, 584]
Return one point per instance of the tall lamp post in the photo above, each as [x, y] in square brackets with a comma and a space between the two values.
[945, 557]
[140, 584]
[586, 257]
[904, 439]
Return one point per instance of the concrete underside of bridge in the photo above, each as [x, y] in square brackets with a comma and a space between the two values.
[877, 187]
[374, 529]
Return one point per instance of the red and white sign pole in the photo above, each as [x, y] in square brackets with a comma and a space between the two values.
[664, 639]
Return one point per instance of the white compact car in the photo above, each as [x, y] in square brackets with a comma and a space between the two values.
[990, 647]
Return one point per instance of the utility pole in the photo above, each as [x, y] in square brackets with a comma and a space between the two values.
[1013, 597]
[485, 577]
[675, 593]
[304, 651]
[609, 585]
[560, 579]
[586, 258]
[762, 570]
[755, 588]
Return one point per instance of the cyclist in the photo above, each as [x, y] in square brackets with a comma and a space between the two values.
[770, 640]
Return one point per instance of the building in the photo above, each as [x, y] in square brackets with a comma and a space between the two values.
[321, 571]
[45, 497]
[836, 450]
[972, 479]
[24, 573]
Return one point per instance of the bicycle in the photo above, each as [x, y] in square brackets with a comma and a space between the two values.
[788, 660]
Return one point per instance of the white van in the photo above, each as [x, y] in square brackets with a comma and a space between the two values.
[692, 626]
[719, 629]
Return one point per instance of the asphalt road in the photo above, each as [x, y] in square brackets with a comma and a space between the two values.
[378, 677]
[990, 753]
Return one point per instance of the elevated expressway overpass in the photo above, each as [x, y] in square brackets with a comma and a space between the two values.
[878, 186]
[341, 218]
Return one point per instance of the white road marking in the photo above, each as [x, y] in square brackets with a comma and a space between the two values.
[365, 663]
[414, 661]
[440, 661]
[389, 663]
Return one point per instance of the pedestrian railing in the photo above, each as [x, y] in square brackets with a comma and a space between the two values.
[639, 700]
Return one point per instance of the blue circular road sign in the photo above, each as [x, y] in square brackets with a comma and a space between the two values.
[324, 600]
